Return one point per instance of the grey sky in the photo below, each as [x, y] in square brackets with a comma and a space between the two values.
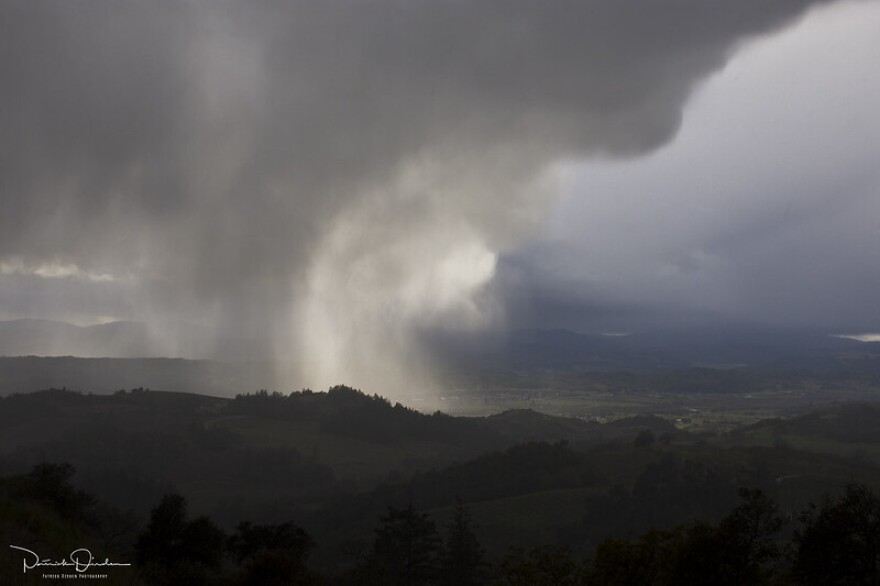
[339, 175]
[764, 209]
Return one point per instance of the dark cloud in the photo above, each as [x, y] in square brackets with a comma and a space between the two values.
[762, 211]
[330, 172]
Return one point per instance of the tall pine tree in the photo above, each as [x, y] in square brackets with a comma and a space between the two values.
[405, 550]
[461, 562]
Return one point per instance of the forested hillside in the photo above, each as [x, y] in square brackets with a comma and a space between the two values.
[338, 463]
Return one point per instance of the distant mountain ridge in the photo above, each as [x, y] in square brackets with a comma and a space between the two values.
[122, 339]
[25, 374]
[38, 337]
[107, 357]
[649, 351]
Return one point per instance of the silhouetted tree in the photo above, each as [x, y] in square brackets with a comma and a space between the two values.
[461, 562]
[548, 565]
[51, 484]
[174, 550]
[161, 540]
[747, 538]
[405, 550]
[840, 540]
[739, 550]
[649, 560]
[272, 554]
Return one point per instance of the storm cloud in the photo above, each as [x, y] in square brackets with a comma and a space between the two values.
[334, 175]
[762, 211]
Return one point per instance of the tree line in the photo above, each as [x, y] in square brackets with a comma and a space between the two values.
[834, 541]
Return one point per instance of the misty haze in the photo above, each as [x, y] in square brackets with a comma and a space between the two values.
[440, 292]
